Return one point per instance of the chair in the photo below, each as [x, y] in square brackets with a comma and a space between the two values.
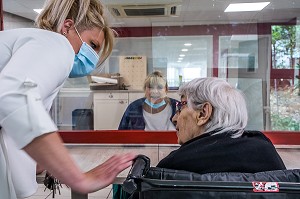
[146, 182]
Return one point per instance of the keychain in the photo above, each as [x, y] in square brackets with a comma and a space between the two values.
[52, 184]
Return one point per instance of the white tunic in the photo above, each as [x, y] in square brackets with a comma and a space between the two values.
[34, 64]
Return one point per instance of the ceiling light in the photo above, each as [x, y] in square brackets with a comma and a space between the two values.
[187, 44]
[184, 50]
[242, 7]
[181, 55]
[180, 58]
[38, 10]
[179, 61]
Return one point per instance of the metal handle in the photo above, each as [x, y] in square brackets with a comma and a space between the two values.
[139, 167]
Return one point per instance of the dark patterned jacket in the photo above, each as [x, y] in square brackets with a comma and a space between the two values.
[133, 117]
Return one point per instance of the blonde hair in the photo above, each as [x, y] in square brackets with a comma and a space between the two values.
[86, 14]
[154, 78]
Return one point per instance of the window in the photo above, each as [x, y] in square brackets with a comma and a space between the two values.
[284, 78]
[257, 51]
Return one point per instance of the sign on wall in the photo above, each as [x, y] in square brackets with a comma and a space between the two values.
[133, 69]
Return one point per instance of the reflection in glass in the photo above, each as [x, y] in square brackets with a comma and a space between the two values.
[182, 58]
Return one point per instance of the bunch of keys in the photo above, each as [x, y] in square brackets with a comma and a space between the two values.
[52, 184]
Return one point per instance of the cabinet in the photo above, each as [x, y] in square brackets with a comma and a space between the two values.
[108, 109]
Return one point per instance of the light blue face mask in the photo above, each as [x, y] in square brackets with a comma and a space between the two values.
[156, 106]
[85, 60]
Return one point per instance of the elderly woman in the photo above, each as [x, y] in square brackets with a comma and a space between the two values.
[210, 123]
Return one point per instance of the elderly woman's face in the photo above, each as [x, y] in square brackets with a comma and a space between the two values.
[185, 121]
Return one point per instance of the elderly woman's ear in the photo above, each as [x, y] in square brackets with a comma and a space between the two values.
[204, 114]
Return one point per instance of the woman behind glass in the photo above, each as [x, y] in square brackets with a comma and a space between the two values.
[152, 112]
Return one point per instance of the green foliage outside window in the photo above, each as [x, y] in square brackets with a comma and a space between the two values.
[285, 112]
[284, 47]
[281, 123]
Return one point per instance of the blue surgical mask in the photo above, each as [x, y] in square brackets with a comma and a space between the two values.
[85, 61]
[156, 106]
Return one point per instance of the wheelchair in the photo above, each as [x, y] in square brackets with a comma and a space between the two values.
[147, 182]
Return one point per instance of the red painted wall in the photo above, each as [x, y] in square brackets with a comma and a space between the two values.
[155, 137]
[1, 15]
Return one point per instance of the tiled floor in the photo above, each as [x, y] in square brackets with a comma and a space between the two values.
[66, 193]
[89, 156]
[290, 156]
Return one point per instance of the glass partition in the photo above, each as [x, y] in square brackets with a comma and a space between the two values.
[244, 60]
[256, 51]
[182, 58]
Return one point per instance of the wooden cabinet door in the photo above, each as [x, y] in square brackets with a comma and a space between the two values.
[108, 112]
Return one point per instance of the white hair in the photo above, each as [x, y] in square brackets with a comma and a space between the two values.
[229, 105]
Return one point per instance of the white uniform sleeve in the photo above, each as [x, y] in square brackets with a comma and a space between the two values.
[30, 120]
[39, 65]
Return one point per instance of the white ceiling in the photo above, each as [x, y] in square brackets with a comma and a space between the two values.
[193, 12]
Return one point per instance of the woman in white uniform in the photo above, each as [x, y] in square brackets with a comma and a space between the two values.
[33, 67]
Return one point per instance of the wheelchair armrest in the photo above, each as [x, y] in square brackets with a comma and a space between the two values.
[140, 166]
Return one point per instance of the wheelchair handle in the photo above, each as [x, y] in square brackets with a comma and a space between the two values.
[140, 166]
